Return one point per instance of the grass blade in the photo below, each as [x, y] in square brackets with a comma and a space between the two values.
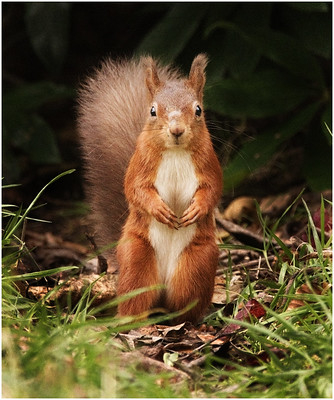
[38, 274]
[21, 218]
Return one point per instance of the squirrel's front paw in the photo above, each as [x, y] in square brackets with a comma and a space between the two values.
[162, 213]
[192, 214]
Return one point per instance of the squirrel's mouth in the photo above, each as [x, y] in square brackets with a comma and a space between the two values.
[176, 141]
[179, 140]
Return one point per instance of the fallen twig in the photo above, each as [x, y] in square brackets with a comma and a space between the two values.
[315, 254]
[244, 235]
[254, 263]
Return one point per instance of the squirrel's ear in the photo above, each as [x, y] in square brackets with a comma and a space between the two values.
[197, 74]
[152, 79]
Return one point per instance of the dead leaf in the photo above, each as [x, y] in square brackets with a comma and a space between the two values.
[304, 289]
[135, 337]
[172, 331]
[156, 352]
[220, 294]
[207, 337]
[239, 209]
[251, 309]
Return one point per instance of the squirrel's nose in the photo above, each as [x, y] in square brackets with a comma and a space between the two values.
[176, 128]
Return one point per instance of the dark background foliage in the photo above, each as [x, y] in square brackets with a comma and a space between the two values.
[268, 94]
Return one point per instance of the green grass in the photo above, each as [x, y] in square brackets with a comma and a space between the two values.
[302, 335]
[49, 351]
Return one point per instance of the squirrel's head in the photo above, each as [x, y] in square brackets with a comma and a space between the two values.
[175, 113]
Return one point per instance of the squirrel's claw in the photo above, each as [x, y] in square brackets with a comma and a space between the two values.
[166, 216]
[190, 216]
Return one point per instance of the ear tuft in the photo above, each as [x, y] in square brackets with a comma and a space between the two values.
[197, 74]
[152, 79]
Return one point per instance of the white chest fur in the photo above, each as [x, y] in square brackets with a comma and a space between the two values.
[176, 183]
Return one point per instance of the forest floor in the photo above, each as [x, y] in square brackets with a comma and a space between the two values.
[267, 333]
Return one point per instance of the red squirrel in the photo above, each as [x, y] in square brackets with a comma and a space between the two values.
[146, 122]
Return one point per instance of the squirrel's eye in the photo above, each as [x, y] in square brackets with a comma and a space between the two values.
[198, 111]
[153, 112]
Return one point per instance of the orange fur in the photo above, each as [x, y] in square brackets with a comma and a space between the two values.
[193, 277]
[144, 274]
[172, 183]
